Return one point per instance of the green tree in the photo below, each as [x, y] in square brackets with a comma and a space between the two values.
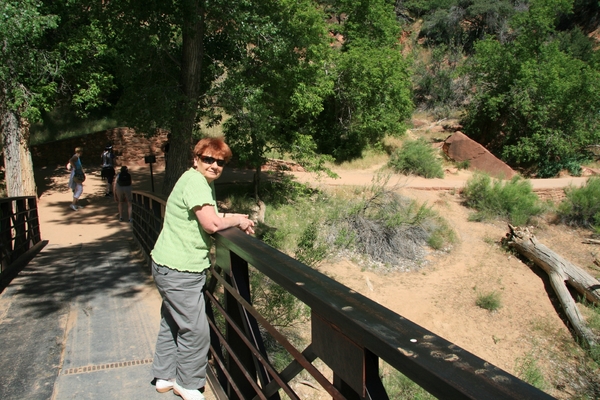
[26, 70]
[296, 93]
[260, 62]
[534, 104]
[51, 53]
[168, 53]
[371, 94]
[278, 85]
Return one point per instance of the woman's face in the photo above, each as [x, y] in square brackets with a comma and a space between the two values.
[208, 165]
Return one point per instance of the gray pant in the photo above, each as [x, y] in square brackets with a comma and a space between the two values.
[183, 339]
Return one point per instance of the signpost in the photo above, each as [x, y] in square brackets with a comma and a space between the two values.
[150, 160]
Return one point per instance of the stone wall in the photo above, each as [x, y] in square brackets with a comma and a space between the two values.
[129, 146]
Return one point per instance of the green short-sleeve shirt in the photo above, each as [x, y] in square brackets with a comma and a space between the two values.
[183, 244]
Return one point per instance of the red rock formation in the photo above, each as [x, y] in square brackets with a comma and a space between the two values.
[459, 147]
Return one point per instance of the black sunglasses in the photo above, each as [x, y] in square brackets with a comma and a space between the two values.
[211, 160]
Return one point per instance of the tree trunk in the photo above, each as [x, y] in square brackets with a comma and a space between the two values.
[180, 151]
[560, 272]
[18, 164]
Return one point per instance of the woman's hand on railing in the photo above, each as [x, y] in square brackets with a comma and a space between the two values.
[245, 224]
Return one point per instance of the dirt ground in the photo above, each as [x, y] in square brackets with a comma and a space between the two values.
[440, 297]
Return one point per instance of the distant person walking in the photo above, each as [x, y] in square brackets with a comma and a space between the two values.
[108, 168]
[122, 191]
[77, 177]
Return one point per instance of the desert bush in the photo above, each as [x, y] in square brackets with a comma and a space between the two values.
[489, 301]
[465, 164]
[375, 222]
[417, 157]
[514, 200]
[388, 228]
[582, 205]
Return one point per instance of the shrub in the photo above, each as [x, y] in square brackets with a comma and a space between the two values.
[513, 200]
[582, 205]
[528, 370]
[388, 228]
[274, 303]
[310, 251]
[465, 164]
[417, 157]
[489, 301]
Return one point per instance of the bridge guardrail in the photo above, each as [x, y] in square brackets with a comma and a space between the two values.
[20, 236]
[349, 332]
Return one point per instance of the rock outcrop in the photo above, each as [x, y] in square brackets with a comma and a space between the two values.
[459, 147]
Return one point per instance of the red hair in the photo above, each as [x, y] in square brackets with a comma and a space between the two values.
[217, 146]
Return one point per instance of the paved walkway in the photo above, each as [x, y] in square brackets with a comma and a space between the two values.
[80, 320]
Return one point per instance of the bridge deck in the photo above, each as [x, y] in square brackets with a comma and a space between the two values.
[80, 320]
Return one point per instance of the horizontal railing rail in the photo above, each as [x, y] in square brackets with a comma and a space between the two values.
[350, 333]
[19, 232]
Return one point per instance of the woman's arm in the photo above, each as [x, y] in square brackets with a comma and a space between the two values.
[211, 222]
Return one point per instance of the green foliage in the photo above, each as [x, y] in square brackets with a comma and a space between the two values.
[582, 204]
[278, 85]
[370, 81]
[27, 68]
[489, 301]
[514, 200]
[463, 164]
[398, 386]
[368, 24]
[461, 23]
[293, 209]
[549, 169]
[274, 303]
[310, 249]
[62, 123]
[285, 190]
[529, 371]
[417, 157]
[534, 104]
[371, 98]
[437, 84]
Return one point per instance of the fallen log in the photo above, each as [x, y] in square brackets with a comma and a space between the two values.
[560, 273]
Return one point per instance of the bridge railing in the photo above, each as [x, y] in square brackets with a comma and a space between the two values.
[350, 333]
[19, 232]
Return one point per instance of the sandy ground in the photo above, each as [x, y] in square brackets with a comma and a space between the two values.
[440, 297]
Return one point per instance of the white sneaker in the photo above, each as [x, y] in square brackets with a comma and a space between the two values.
[187, 394]
[73, 207]
[163, 385]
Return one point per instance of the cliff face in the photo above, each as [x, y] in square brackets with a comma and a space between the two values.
[129, 146]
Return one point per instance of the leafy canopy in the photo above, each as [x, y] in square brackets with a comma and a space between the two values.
[534, 103]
